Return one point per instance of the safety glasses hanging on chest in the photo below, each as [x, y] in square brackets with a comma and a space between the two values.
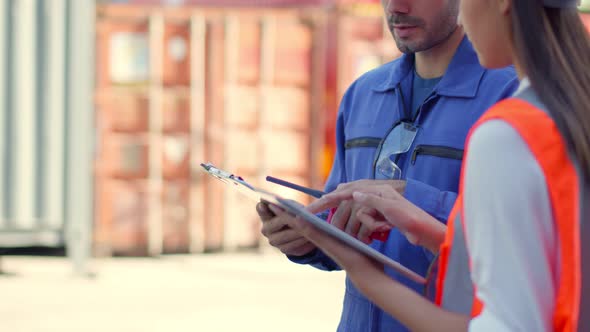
[397, 141]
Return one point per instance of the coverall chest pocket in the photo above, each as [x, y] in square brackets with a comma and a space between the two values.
[439, 151]
[435, 163]
[360, 147]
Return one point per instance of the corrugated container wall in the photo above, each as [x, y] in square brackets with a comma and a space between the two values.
[46, 62]
[181, 86]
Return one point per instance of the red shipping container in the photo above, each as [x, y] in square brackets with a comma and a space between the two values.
[176, 113]
[124, 214]
[235, 135]
[123, 218]
[286, 151]
[242, 106]
[176, 156]
[293, 54]
[125, 156]
[214, 141]
[249, 50]
[196, 210]
[241, 226]
[122, 53]
[286, 108]
[175, 213]
[101, 234]
[176, 57]
[363, 28]
[125, 112]
[242, 151]
[365, 43]
[214, 213]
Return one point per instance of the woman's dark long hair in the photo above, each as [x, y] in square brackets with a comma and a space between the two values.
[553, 47]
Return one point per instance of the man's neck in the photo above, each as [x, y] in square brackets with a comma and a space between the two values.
[433, 62]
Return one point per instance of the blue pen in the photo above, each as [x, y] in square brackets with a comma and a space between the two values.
[312, 192]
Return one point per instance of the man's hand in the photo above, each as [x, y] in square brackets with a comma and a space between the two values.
[346, 219]
[356, 264]
[275, 228]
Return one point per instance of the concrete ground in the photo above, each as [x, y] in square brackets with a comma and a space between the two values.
[217, 292]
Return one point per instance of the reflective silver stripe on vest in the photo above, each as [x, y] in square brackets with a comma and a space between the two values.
[457, 287]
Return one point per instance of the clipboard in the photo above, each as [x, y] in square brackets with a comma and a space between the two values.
[298, 210]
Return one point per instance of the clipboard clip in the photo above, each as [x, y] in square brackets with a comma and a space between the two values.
[225, 176]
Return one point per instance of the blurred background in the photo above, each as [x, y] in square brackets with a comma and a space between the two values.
[109, 107]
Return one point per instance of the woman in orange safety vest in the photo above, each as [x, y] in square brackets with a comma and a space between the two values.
[516, 254]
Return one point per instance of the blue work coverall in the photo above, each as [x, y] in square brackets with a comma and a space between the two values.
[375, 103]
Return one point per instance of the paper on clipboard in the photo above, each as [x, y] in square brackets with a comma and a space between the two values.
[239, 184]
[297, 209]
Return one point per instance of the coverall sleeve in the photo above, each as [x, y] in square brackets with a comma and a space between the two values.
[436, 202]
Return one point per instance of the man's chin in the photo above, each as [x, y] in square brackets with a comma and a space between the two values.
[407, 45]
[406, 48]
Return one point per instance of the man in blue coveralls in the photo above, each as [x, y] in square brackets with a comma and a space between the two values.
[405, 123]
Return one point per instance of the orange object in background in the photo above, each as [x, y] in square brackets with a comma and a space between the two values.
[586, 19]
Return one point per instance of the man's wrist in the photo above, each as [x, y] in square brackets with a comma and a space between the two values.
[309, 255]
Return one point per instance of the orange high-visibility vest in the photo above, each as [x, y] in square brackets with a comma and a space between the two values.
[569, 198]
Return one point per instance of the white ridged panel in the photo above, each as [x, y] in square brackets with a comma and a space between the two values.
[155, 228]
[3, 161]
[55, 114]
[198, 103]
[24, 113]
[46, 85]
[231, 234]
[78, 213]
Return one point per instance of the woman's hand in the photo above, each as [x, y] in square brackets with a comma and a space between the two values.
[410, 308]
[383, 204]
[355, 263]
